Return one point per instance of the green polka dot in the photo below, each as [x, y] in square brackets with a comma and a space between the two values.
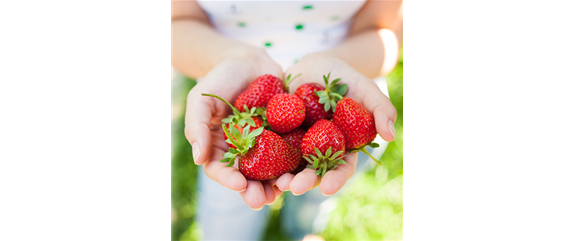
[335, 18]
[299, 26]
[296, 61]
[241, 24]
[268, 44]
[307, 7]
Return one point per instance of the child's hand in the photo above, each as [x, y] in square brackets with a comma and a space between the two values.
[203, 122]
[360, 89]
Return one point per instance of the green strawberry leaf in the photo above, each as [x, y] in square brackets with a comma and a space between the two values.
[342, 89]
[327, 105]
[328, 152]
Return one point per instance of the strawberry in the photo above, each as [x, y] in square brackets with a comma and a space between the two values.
[356, 124]
[323, 146]
[314, 110]
[258, 123]
[261, 90]
[239, 119]
[285, 112]
[262, 154]
[294, 139]
[319, 100]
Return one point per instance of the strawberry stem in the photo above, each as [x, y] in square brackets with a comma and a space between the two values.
[363, 150]
[235, 110]
[288, 81]
[324, 162]
[229, 137]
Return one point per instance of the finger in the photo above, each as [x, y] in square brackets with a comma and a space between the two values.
[254, 195]
[303, 181]
[270, 184]
[197, 125]
[277, 192]
[229, 177]
[269, 193]
[379, 105]
[335, 179]
[284, 181]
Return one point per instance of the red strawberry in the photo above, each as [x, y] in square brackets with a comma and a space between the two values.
[356, 124]
[285, 112]
[319, 100]
[258, 123]
[261, 90]
[323, 146]
[314, 110]
[262, 154]
[294, 139]
[239, 119]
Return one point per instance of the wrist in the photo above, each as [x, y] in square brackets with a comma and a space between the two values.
[244, 53]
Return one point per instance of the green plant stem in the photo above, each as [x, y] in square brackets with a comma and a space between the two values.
[235, 110]
[363, 150]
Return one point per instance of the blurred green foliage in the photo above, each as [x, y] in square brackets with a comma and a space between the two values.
[370, 209]
[183, 170]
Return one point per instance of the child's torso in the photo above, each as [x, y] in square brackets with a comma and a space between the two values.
[286, 29]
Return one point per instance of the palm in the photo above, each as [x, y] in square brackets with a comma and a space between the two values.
[362, 90]
[203, 124]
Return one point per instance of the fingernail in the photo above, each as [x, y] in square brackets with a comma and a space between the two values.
[392, 127]
[196, 151]
[243, 190]
[326, 194]
[257, 209]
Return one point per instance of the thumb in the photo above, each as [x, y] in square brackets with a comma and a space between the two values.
[197, 125]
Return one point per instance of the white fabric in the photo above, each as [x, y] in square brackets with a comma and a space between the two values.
[291, 29]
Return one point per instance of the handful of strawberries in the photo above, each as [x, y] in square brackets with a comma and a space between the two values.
[272, 132]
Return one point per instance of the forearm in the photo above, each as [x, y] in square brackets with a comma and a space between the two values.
[364, 52]
[197, 47]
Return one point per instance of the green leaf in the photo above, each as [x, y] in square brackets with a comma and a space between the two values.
[233, 151]
[227, 120]
[241, 123]
[319, 154]
[250, 122]
[374, 145]
[228, 155]
[327, 105]
[314, 158]
[224, 160]
[342, 90]
[315, 164]
[341, 162]
[307, 159]
[333, 104]
[335, 81]
[328, 153]
[235, 133]
[337, 154]
[256, 132]
[246, 132]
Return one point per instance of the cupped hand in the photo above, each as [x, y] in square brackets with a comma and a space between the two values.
[361, 89]
[203, 118]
